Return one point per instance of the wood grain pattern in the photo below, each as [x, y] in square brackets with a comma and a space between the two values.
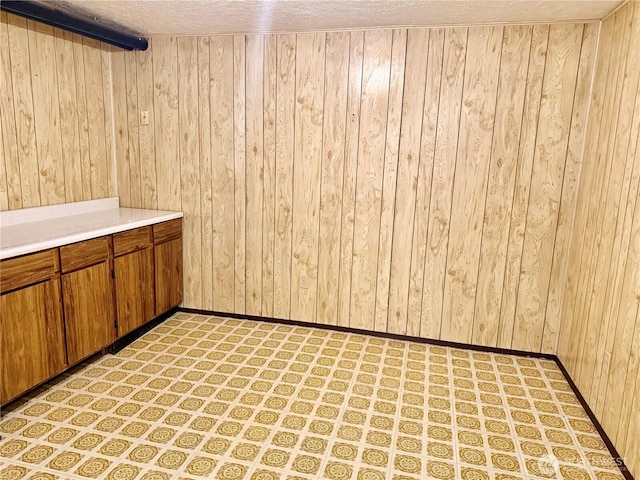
[500, 188]
[31, 322]
[84, 254]
[146, 135]
[449, 107]
[389, 182]
[309, 205]
[334, 128]
[98, 168]
[517, 223]
[514, 222]
[354, 95]
[269, 175]
[207, 274]
[285, 118]
[546, 183]
[46, 115]
[167, 117]
[54, 115]
[418, 287]
[239, 170]
[165, 231]
[415, 78]
[189, 190]
[135, 290]
[132, 240]
[89, 315]
[11, 169]
[599, 337]
[307, 174]
[28, 269]
[254, 88]
[168, 275]
[376, 71]
[469, 192]
[226, 236]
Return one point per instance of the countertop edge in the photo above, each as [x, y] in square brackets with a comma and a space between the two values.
[11, 252]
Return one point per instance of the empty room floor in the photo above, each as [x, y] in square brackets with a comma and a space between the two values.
[208, 397]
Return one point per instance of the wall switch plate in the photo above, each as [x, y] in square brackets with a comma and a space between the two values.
[144, 117]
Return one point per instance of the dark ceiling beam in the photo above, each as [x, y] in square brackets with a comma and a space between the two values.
[76, 24]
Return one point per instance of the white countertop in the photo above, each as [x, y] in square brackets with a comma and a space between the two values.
[31, 230]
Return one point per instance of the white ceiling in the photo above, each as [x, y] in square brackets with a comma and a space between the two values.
[203, 17]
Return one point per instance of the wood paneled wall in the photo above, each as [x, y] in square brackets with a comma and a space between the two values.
[417, 181]
[55, 120]
[600, 335]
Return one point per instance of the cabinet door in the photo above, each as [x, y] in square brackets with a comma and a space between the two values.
[33, 346]
[135, 299]
[88, 311]
[168, 275]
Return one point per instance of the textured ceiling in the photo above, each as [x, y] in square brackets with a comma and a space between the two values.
[202, 17]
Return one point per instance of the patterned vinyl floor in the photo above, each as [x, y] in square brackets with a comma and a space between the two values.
[205, 397]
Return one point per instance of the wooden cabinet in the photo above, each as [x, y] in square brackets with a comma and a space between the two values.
[134, 279]
[32, 347]
[87, 297]
[167, 237]
[60, 306]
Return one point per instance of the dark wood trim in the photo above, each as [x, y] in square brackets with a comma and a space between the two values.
[443, 343]
[605, 438]
[392, 336]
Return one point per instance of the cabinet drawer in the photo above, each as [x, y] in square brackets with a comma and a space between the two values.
[165, 231]
[28, 269]
[131, 241]
[84, 254]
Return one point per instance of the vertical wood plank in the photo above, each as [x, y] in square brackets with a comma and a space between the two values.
[255, 170]
[392, 148]
[533, 91]
[83, 116]
[239, 170]
[98, 167]
[67, 97]
[560, 265]
[310, 60]
[188, 103]
[285, 125]
[146, 100]
[546, 184]
[4, 199]
[608, 208]
[108, 119]
[120, 116]
[354, 95]
[133, 146]
[469, 192]
[502, 172]
[425, 182]
[167, 139]
[207, 273]
[335, 108]
[568, 349]
[46, 114]
[622, 241]
[12, 181]
[450, 104]
[269, 176]
[415, 78]
[371, 147]
[227, 172]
